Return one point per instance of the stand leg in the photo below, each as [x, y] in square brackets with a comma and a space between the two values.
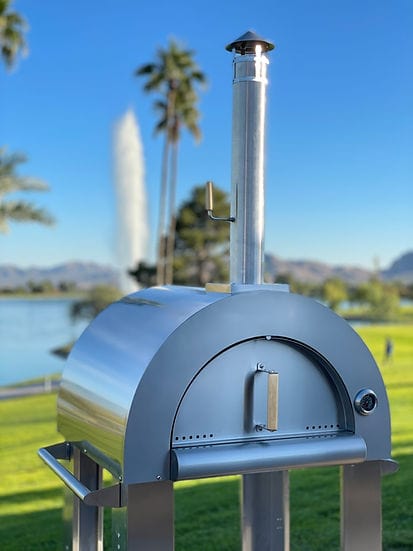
[361, 507]
[150, 516]
[265, 512]
[68, 504]
[119, 528]
[87, 520]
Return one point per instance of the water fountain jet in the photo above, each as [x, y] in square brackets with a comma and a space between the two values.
[132, 230]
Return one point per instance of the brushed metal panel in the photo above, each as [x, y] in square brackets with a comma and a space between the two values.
[265, 456]
[228, 400]
[361, 523]
[265, 511]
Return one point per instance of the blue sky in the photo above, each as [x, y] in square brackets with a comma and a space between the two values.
[340, 120]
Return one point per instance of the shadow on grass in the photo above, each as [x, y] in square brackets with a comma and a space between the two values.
[30, 496]
[32, 531]
[208, 518]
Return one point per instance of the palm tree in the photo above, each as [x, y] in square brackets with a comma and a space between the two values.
[173, 76]
[12, 28]
[18, 210]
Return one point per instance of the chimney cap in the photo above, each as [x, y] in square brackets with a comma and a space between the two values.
[246, 43]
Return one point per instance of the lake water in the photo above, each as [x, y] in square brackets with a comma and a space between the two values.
[29, 330]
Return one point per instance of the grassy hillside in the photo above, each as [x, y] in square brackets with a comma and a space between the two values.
[31, 498]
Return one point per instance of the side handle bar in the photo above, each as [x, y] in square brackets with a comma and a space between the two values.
[112, 496]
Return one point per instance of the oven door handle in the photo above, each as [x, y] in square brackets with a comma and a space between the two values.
[272, 398]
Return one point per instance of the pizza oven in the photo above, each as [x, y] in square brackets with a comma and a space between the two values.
[174, 383]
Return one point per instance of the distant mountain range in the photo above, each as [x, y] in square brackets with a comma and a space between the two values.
[88, 274]
[313, 271]
[84, 274]
[401, 269]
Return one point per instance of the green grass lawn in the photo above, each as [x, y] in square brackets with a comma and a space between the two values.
[207, 513]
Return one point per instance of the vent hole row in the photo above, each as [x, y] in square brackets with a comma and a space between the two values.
[191, 437]
[313, 427]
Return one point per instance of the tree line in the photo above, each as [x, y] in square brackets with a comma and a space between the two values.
[44, 286]
[373, 299]
[201, 255]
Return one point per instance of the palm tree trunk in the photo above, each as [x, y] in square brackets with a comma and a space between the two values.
[170, 243]
[161, 232]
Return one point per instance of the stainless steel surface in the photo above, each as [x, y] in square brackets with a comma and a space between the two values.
[247, 195]
[209, 205]
[110, 496]
[77, 488]
[307, 342]
[266, 511]
[388, 466]
[266, 456]
[87, 520]
[67, 516]
[236, 288]
[361, 507]
[150, 517]
[309, 401]
[245, 44]
[107, 363]
[248, 141]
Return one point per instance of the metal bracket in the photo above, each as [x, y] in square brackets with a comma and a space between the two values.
[112, 496]
[209, 205]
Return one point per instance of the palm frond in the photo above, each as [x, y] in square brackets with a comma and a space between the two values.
[22, 211]
[12, 184]
[146, 69]
[174, 75]
[160, 126]
[12, 28]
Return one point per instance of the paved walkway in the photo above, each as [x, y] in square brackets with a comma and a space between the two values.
[6, 393]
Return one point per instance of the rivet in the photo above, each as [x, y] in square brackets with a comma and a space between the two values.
[159, 477]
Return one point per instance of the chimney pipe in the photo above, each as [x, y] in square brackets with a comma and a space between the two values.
[248, 139]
